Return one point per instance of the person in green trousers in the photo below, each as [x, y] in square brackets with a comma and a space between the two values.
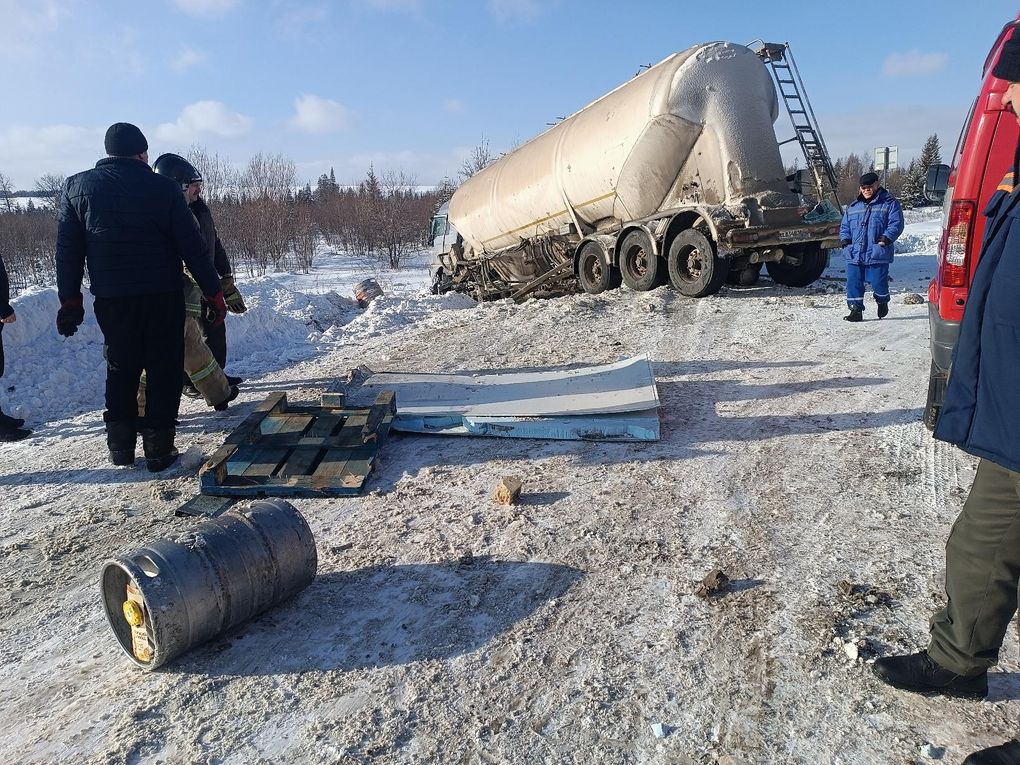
[981, 415]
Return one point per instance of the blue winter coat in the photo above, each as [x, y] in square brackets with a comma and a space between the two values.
[132, 228]
[863, 224]
[981, 413]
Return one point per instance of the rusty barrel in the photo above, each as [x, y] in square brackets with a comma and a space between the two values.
[173, 594]
[366, 291]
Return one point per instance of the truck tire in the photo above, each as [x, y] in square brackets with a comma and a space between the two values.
[937, 380]
[640, 267]
[813, 262]
[594, 270]
[746, 276]
[695, 270]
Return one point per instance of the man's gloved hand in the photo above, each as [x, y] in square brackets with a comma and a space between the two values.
[70, 316]
[845, 243]
[235, 303]
[883, 240]
[217, 303]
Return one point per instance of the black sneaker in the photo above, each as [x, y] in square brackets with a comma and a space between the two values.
[222, 406]
[1003, 754]
[14, 434]
[883, 310]
[191, 391]
[856, 314]
[920, 673]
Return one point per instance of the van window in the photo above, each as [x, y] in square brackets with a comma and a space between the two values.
[959, 141]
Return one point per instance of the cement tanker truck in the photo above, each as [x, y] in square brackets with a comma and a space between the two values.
[675, 175]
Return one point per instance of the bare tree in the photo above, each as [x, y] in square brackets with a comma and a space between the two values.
[399, 226]
[6, 193]
[50, 186]
[480, 158]
[219, 176]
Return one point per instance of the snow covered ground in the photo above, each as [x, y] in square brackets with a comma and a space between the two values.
[444, 628]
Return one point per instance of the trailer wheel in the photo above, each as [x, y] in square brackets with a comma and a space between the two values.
[813, 262]
[641, 268]
[594, 270]
[746, 276]
[695, 270]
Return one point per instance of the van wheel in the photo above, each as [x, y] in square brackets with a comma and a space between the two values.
[937, 380]
[594, 270]
[640, 267]
[695, 270]
[813, 262]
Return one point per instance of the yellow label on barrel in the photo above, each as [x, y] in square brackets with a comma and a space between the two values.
[134, 615]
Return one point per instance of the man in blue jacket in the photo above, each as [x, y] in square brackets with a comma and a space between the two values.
[870, 226]
[133, 230]
[981, 415]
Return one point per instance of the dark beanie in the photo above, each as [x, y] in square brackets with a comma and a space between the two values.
[124, 140]
[1008, 67]
[868, 178]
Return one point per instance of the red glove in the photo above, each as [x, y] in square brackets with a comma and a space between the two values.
[219, 304]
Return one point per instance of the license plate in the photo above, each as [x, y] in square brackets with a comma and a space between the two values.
[797, 233]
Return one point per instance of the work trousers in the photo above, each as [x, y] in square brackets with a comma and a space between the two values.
[216, 339]
[877, 275]
[143, 333]
[982, 574]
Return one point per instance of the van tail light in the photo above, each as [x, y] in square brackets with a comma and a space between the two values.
[953, 261]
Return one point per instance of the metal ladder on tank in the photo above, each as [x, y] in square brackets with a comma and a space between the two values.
[779, 59]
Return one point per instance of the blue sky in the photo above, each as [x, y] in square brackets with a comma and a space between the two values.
[413, 85]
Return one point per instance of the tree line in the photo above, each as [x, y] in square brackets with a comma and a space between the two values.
[264, 219]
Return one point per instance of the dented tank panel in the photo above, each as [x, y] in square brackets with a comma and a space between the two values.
[695, 128]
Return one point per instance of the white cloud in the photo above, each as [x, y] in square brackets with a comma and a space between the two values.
[205, 8]
[515, 10]
[30, 152]
[186, 59]
[202, 119]
[454, 105]
[913, 63]
[22, 24]
[313, 114]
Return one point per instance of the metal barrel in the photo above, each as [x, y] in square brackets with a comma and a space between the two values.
[366, 291]
[173, 594]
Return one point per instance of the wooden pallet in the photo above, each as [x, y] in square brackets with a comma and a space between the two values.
[299, 451]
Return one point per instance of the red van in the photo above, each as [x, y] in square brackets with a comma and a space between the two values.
[984, 154]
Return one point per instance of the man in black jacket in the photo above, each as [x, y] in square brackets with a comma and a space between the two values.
[132, 229]
[10, 427]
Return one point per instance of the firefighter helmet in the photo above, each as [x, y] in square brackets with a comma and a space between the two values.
[178, 168]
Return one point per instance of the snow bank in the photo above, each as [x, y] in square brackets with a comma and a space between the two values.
[49, 377]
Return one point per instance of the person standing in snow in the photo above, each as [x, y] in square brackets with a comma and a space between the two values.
[201, 367]
[215, 334]
[981, 415]
[10, 427]
[870, 226]
[132, 229]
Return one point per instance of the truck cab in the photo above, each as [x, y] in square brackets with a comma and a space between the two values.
[984, 153]
[443, 239]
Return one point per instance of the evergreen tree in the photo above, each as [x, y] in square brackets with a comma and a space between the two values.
[931, 154]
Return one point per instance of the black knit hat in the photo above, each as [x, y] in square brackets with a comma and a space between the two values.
[1008, 67]
[869, 178]
[124, 140]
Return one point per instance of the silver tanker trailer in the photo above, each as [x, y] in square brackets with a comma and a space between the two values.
[675, 174]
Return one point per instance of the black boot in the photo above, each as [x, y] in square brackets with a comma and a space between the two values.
[13, 434]
[222, 406]
[6, 421]
[1003, 754]
[160, 452]
[120, 439]
[856, 314]
[231, 380]
[883, 310]
[920, 673]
